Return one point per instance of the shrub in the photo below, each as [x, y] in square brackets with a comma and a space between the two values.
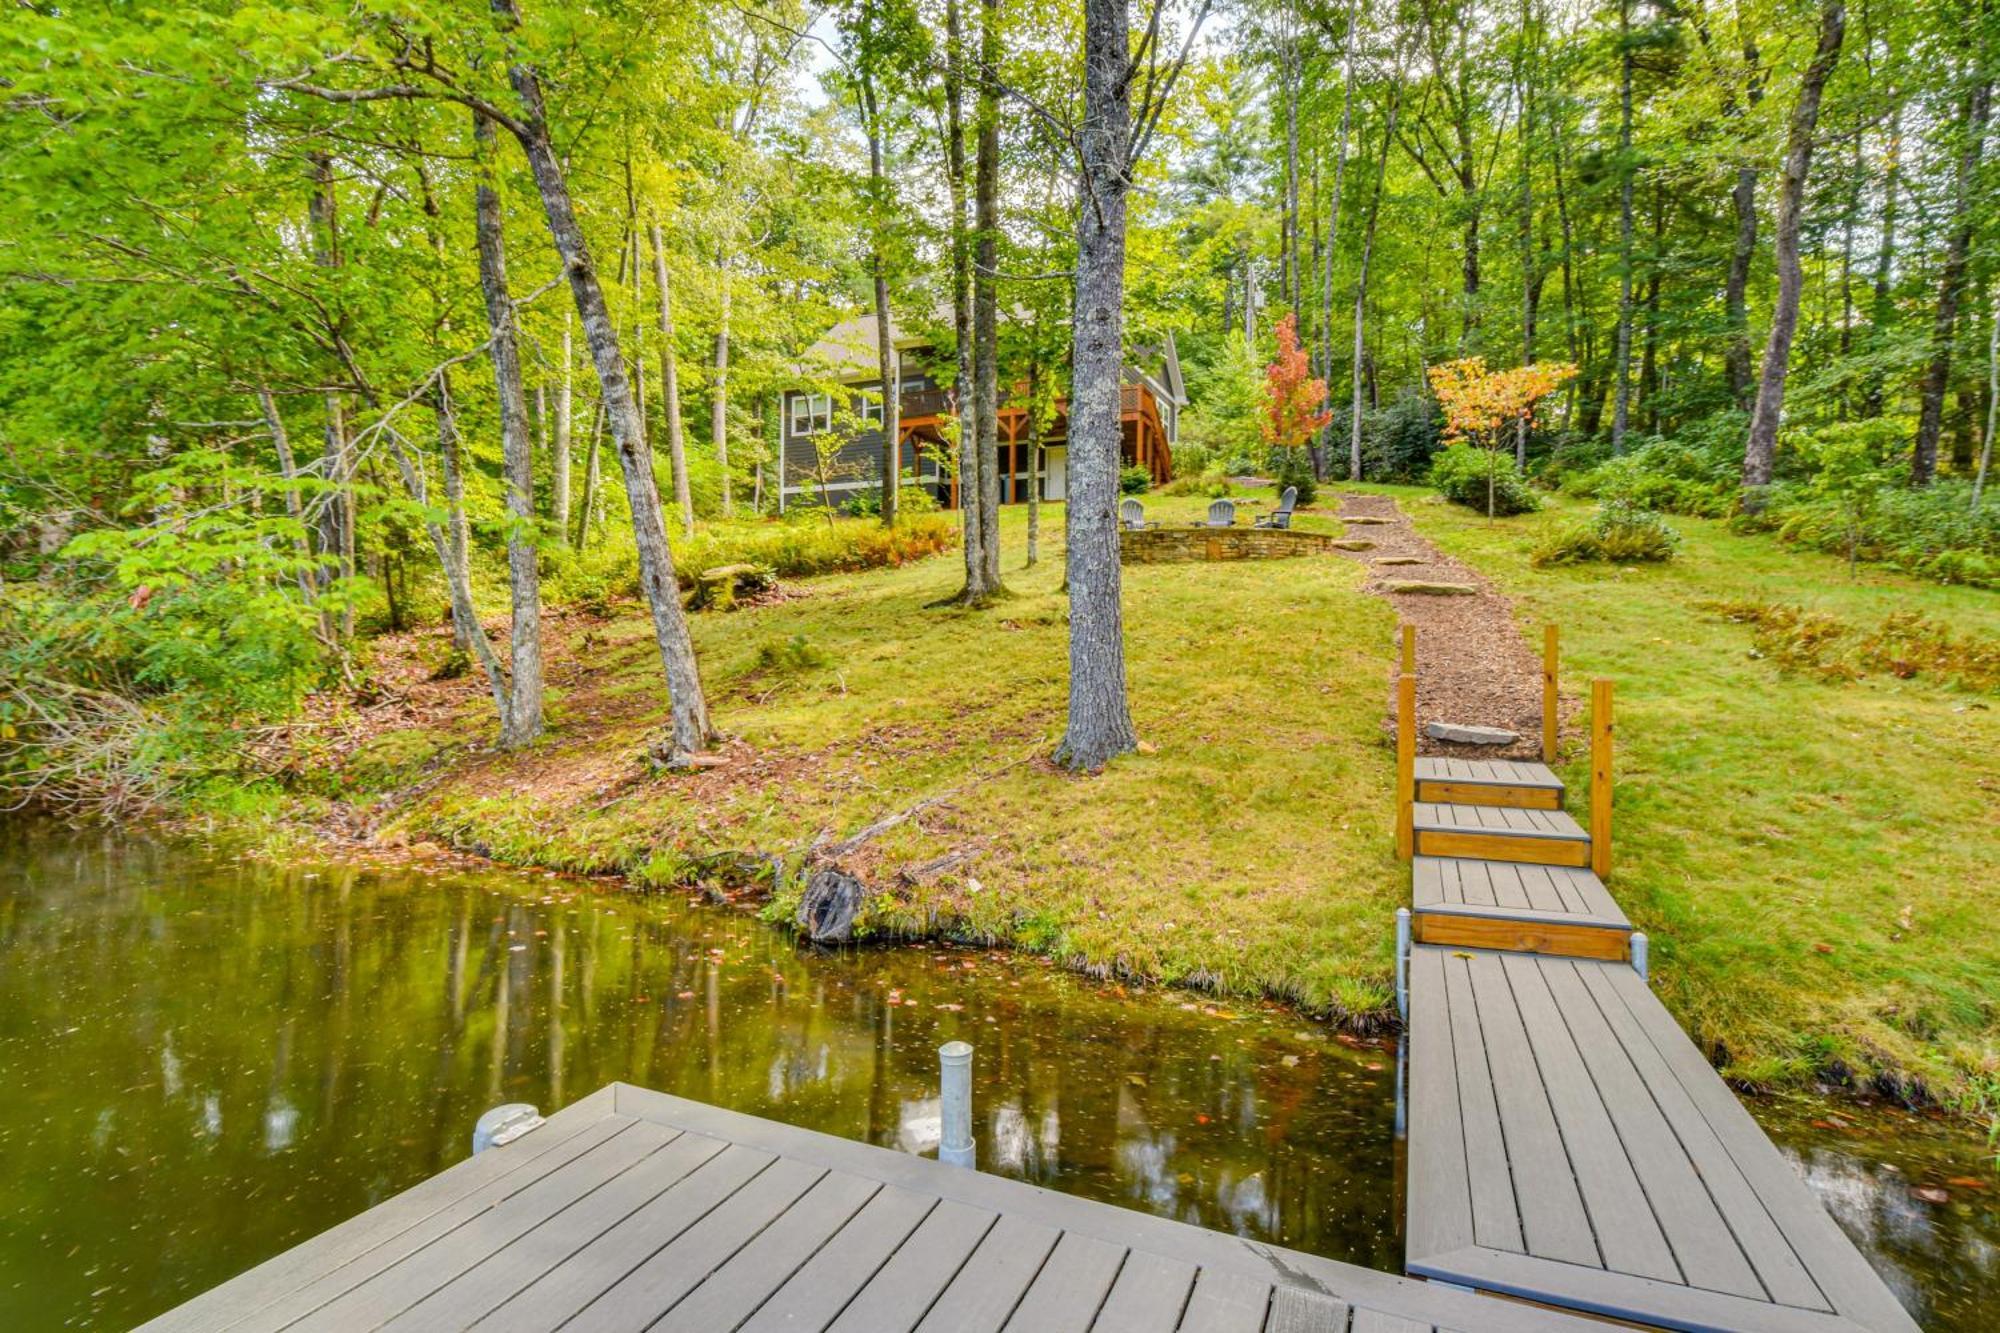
[1933, 532]
[787, 657]
[912, 497]
[1295, 469]
[1135, 480]
[1471, 476]
[1212, 482]
[1399, 441]
[796, 550]
[1619, 532]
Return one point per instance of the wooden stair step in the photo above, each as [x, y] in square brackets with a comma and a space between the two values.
[1508, 782]
[1516, 907]
[1499, 833]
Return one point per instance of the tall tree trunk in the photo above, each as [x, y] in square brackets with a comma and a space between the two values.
[593, 478]
[448, 540]
[1361, 278]
[1100, 721]
[1951, 286]
[1530, 283]
[1036, 427]
[986, 296]
[521, 720]
[718, 403]
[1992, 405]
[1333, 211]
[288, 468]
[1621, 414]
[337, 532]
[691, 729]
[1760, 452]
[670, 387]
[969, 506]
[888, 367]
[559, 466]
[1293, 285]
[1883, 313]
[1649, 355]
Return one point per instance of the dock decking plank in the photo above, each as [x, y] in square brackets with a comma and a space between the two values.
[559, 1294]
[730, 1294]
[814, 1296]
[1069, 1291]
[1375, 1321]
[673, 1270]
[992, 1282]
[1438, 1177]
[1225, 1302]
[903, 1289]
[1297, 1311]
[504, 1272]
[1150, 1293]
[1496, 1213]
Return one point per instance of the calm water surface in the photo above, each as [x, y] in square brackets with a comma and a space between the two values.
[206, 1060]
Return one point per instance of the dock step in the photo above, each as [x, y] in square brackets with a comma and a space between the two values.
[1499, 833]
[1522, 908]
[1505, 782]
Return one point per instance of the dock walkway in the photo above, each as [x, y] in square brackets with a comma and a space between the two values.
[1568, 1144]
[635, 1210]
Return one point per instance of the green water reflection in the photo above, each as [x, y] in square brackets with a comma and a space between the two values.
[206, 1061]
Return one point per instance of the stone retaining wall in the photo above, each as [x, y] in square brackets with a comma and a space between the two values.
[1162, 546]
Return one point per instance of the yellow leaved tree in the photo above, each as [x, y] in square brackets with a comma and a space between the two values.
[1484, 408]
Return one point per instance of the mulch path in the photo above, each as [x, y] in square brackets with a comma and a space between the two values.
[1474, 665]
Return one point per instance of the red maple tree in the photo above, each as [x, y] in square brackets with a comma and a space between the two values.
[1293, 395]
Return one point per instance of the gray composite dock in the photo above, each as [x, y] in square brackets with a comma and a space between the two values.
[635, 1210]
[1569, 1144]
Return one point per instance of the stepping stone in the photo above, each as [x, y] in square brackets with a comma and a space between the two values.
[1397, 560]
[1353, 544]
[1466, 734]
[1434, 589]
[1364, 518]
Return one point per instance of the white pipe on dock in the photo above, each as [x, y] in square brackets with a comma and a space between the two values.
[955, 1147]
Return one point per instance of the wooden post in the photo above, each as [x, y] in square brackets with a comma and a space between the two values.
[1406, 763]
[1409, 649]
[1549, 719]
[1600, 778]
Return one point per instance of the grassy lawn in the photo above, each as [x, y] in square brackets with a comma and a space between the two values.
[1247, 849]
[1817, 861]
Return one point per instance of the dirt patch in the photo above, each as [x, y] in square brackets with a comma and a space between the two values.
[1473, 664]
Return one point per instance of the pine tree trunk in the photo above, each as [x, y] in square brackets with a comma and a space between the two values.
[691, 729]
[1100, 721]
[521, 720]
[670, 388]
[1761, 450]
[1951, 286]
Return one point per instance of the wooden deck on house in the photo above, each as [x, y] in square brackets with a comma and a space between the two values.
[635, 1210]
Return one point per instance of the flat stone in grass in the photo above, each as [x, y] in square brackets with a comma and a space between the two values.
[1353, 544]
[1397, 560]
[1364, 518]
[1469, 735]
[1433, 589]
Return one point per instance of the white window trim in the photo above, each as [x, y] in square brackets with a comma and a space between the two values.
[811, 412]
[871, 409]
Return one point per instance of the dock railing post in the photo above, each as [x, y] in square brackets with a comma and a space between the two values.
[955, 1147]
[1600, 778]
[1406, 763]
[1550, 721]
[1403, 963]
[1641, 961]
[503, 1124]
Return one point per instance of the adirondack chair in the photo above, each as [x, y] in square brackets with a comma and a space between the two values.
[1281, 517]
[1222, 514]
[1131, 514]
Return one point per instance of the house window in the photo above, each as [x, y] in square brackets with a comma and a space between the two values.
[871, 409]
[811, 412]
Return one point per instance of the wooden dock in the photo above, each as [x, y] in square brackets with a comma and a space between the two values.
[635, 1210]
[1568, 1144]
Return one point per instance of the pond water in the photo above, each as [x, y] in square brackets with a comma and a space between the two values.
[206, 1060]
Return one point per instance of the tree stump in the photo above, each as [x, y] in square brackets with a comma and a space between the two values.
[718, 588]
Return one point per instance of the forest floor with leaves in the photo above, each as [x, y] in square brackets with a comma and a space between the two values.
[1811, 847]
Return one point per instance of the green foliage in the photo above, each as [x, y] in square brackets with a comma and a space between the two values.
[1295, 469]
[1471, 476]
[1620, 532]
[789, 657]
[1906, 645]
[1696, 473]
[912, 497]
[1399, 440]
[1223, 423]
[1135, 480]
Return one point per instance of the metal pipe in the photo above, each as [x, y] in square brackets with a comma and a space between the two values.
[504, 1124]
[955, 1147]
[1640, 960]
[1403, 962]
